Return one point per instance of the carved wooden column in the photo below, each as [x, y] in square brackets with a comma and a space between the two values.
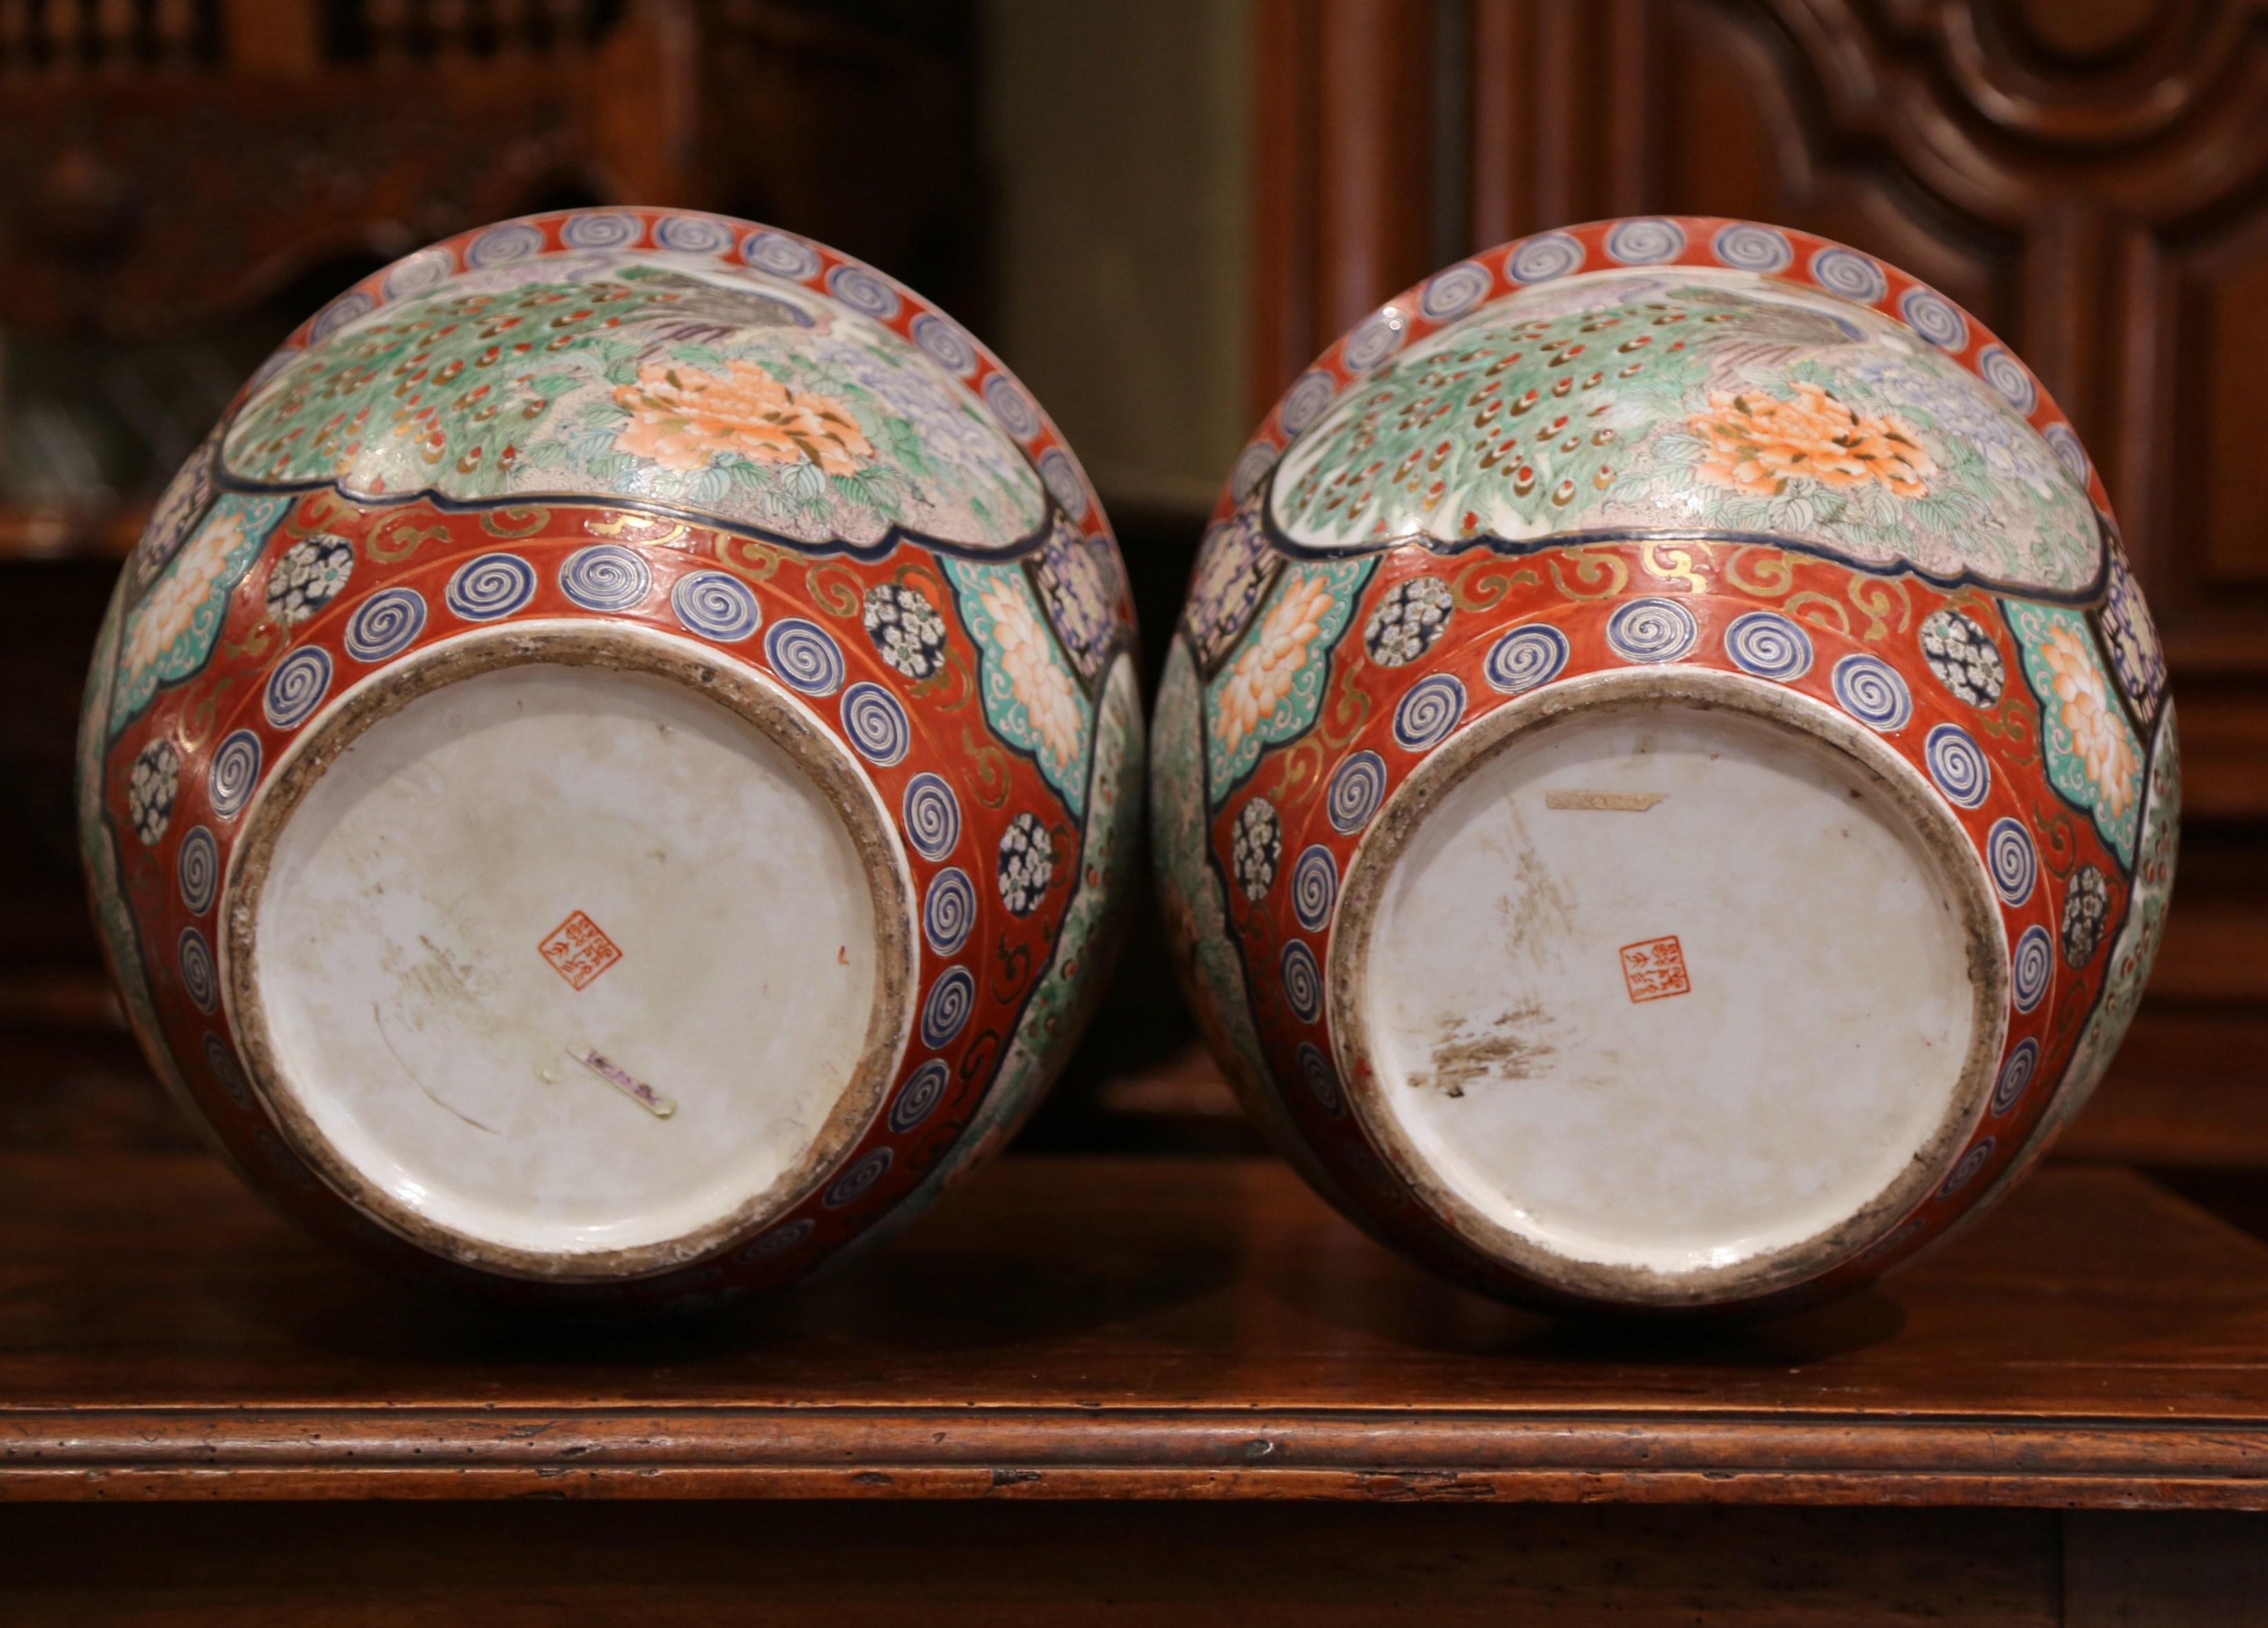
[1341, 156]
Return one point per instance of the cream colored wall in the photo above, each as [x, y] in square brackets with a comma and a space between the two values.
[1119, 140]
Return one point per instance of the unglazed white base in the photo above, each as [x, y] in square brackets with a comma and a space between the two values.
[439, 1065]
[1792, 1061]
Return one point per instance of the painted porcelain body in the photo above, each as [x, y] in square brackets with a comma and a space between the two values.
[611, 771]
[1664, 786]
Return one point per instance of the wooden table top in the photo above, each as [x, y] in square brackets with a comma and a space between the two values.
[1124, 1327]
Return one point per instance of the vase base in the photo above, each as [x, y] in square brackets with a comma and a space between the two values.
[1669, 987]
[571, 952]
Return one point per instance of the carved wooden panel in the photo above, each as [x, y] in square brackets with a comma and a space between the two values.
[2090, 176]
[162, 161]
[182, 181]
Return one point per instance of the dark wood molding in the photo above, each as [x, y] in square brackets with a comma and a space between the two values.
[1178, 1327]
[1076, 1452]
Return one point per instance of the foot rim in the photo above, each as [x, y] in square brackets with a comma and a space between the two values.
[1781, 1267]
[739, 690]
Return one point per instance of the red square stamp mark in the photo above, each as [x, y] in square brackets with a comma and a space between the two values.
[1655, 969]
[578, 951]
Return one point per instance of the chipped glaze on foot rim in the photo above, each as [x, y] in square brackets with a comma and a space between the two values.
[1596, 1002]
[634, 929]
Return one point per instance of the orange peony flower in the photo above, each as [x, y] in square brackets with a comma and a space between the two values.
[174, 604]
[1035, 674]
[1757, 443]
[1262, 674]
[2084, 703]
[682, 418]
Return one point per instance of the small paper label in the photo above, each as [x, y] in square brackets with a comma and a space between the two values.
[622, 1081]
[1624, 802]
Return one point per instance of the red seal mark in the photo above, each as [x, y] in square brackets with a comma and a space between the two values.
[578, 951]
[1655, 969]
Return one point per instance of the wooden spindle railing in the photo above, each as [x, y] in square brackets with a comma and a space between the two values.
[59, 39]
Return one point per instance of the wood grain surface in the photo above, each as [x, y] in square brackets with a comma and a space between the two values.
[1314, 1565]
[1123, 1329]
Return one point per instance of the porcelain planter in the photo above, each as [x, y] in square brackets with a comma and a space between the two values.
[609, 771]
[1664, 785]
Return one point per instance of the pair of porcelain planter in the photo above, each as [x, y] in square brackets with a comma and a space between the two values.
[614, 771]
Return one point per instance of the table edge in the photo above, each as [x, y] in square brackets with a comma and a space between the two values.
[203, 1453]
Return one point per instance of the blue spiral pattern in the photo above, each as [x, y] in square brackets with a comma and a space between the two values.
[1322, 1080]
[862, 291]
[856, 1183]
[1646, 242]
[1935, 318]
[715, 605]
[1315, 888]
[2016, 1075]
[1305, 401]
[1747, 247]
[1377, 339]
[297, 687]
[386, 625]
[944, 1014]
[1063, 483]
[1539, 260]
[1252, 467]
[2006, 375]
[198, 870]
[1972, 1162]
[780, 255]
[2030, 965]
[918, 1097]
[198, 981]
[605, 576]
[1871, 690]
[1428, 712]
[276, 361]
[1850, 274]
[1768, 645]
[601, 229]
[2063, 441]
[1958, 765]
[1652, 630]
[1448, 294]
[875, 724]
[779, 1241]
[692, 234]
[2013, 863]
[235, 771]
[931, 815]
[1526, 657]
[490, 586]
[500, 245]
[949, 911]
[1356, 789]
[421, 270]
[1303, 981]
[1012, 407]
[221, 1064]
[802, 654]
[338, 313]
[944, 342]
